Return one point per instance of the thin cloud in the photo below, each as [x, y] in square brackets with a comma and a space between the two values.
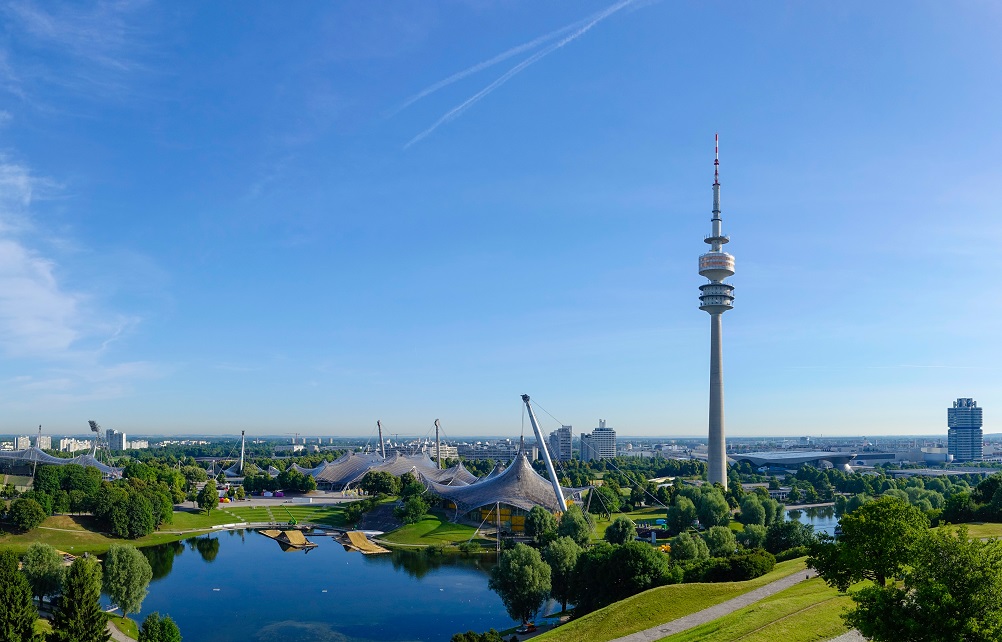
[457, 111]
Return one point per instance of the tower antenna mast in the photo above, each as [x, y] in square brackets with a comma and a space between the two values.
[715, 298]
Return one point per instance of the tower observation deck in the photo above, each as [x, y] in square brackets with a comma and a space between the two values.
[715, 298]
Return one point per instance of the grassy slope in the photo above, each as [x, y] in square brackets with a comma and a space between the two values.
[658, 606]
[125, 625]
[983, 530]
[806, 612]
[80, 534]
[434, 528]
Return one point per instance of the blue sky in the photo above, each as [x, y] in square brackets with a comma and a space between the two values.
[217, 216]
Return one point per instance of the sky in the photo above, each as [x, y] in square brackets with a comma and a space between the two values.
[306, 217]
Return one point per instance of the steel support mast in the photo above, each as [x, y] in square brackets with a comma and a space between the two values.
[546, 455]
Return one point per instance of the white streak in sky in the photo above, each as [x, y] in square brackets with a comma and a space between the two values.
[501, 57]
[457, 111]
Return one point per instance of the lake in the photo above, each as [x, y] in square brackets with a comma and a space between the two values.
[822, 518]
[240, 586]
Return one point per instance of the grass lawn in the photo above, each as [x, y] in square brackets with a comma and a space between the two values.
[983, 530]
[80, 533]
[644, 514]
[433, 529]
[332, 515]
[806, 612]
[125, 625]
[658, 606]
[43, 626]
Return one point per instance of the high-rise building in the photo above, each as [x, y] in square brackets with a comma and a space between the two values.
[716, 297]
[116, 440]
[560, 444]
[964, 437]
[22, 443]
[44, 442]
[599, 444]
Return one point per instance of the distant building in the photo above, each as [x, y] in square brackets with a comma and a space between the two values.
[139, 443]
[503, 450]
[71, 445]
[448, 452]
[22, 443]
[43, 442]
[560, 444]
[599, 444]
[116, 440]
[965, 440]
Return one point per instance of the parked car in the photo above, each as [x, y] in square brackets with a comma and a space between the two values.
[528, 627]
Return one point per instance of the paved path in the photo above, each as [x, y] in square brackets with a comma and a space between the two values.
[716, 611]
[117, 635]
[851, 636]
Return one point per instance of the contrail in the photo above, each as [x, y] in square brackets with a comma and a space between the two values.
[457, 111]
[514, 51]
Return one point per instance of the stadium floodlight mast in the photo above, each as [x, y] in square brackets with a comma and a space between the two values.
[96, 429]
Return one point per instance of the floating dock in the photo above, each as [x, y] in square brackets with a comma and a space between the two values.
[290, 538]
[357, 541]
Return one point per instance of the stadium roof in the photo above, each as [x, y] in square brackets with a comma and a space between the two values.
[518, 485]
[34, 455]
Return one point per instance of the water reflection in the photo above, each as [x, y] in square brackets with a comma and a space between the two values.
[822, 518]
[417, 564]
[161, 558]
[207, 547]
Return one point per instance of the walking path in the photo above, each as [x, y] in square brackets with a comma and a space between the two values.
[851, 636]
[719, 610]
[117, 635]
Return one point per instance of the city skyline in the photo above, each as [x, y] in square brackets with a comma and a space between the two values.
[218, 217]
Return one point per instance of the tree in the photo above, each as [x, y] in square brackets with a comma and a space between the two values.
[621, 531]
[241, 493]
[876, 543]
[43, 567]
[604, 500]
[522, 580]
[752, 511]
[720, 541]
[576, 525]
[127, 574]
[159, 629]
[78, 617]
[713, 510]
[379, 482]
[26, 514]
[17, 611]
[541, 525]
[208, 497]
[686, 547]
[951, 590]
[607, 573]
[782, 536]
[562, 556]
[753, 536]
[681, 515]
[413, 509]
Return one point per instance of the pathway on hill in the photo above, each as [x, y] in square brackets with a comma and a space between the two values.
[718, 610]
[851, 636]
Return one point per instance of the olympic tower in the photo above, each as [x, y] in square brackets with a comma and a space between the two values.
[716, 297]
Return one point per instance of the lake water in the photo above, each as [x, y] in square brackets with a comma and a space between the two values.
[240, 586]
[822, 518]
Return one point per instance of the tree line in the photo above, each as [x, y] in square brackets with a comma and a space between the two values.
[74, 593]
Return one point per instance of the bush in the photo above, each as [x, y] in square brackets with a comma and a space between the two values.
[736, 568]
[793, 553]
[412, 511]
